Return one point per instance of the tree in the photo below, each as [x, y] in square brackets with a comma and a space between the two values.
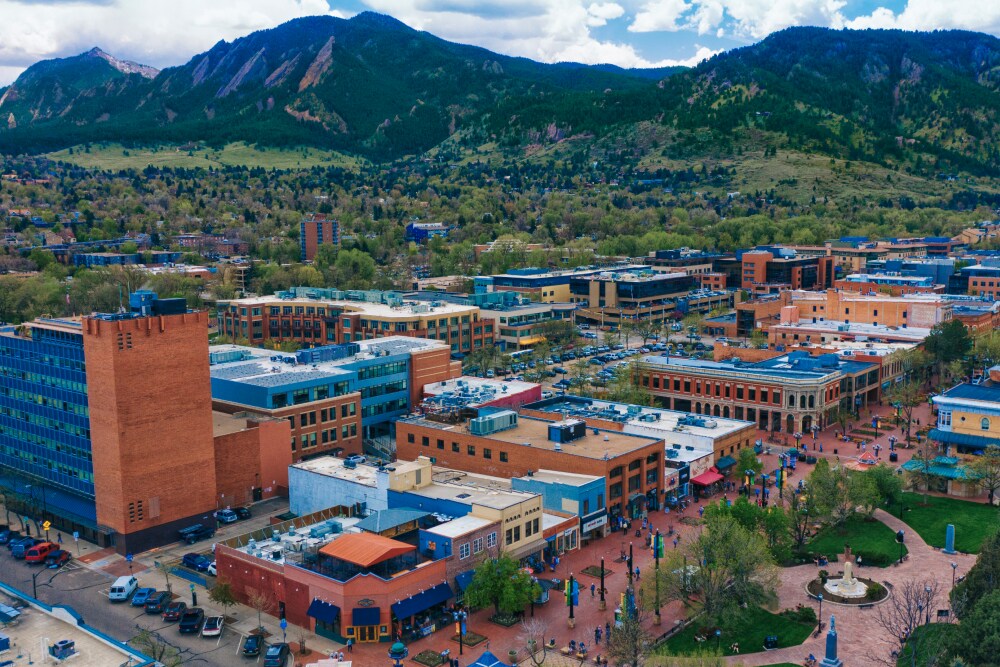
[948, 341]
[747, 460]
[830, 488]
[982, 579]
[533, 634]
[801, 514]
[842, 417]
[222, 594]
[559, 332]
[626, 387]
[921, 474]
[647, 328]
[758, 338]
[977, 640]
[724, 567]
[629, 642]
[260, 602]
[353, 270]
[986, 469]
[501, 583]
[772, 523]
[153, 645]
[905, 396]
[902, 613]
[888, 485]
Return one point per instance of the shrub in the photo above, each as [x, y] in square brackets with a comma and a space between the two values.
[823, 576]
[801, 614]
[876, 591]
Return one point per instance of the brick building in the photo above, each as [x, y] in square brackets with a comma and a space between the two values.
[790, 393]
[631, 464]
[314, 231]
[334, 397]
[772, 269]
[317, 316]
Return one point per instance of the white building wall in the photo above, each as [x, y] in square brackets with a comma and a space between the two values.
[310, 492]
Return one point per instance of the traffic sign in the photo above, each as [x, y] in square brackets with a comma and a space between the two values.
[128, 557]
[46, 525]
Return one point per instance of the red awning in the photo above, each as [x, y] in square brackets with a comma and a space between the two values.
[706, 478]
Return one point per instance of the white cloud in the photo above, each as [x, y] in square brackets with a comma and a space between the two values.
[146, 31]
[936, 15]
[601, 13]
[744, 18]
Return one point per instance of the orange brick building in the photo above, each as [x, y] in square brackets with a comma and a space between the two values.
[151, 424]
[631, 464]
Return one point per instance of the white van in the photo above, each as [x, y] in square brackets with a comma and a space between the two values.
[123, 588]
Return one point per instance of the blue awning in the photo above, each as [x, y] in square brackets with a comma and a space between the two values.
[725, 462]
[422, 601]
[366, 616]
[463, 579]
[962, 439]
[323, 611]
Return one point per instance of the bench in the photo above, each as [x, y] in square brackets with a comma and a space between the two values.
[865, 606]
[565, 650]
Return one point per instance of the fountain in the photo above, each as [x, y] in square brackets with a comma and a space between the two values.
[848, 586]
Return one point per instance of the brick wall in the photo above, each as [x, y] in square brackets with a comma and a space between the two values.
[256, 457]
[151, 420]
[429, 366]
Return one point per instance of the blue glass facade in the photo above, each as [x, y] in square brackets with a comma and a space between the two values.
[44, 418]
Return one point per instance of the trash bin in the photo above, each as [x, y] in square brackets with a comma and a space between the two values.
[893, 457]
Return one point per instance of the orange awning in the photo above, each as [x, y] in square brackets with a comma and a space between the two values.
[365, 549]
[707, 478]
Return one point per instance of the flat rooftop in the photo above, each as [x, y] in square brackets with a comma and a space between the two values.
[473, 494]
[37, 628]
[388, 312]
[838, 327]
[890, 277]
[852, 347]
[475, 391]
[657, 419]
[775, 371]
[331, 466]
[268, 368]
[224, 424]
[560, 477]
[463, 525]
[535, 433]
[291, 546]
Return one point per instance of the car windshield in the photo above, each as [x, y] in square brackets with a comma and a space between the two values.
[273, 651]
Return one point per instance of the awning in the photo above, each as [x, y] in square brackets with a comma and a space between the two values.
[962, 439]
[707, 478]
[366, 616]
[488, 660]
[323, 611]
[422, 601]
[725, 462]
[463, 579]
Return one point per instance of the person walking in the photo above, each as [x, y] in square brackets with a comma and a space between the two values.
[607, 630]
[637, 573]
[597, 636]
[593, 589]
[350, 645]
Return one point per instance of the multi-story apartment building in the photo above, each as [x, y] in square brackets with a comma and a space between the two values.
[501, 444]
[314, 231]
[909, 310]
[982, 280]
[334, 397]
[893, 284]
[790, 393]
[540, 285]
[693, 262]
[316, 316]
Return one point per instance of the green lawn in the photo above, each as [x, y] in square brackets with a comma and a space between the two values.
[749, 632]
[874, 541]
[930, 637]
[973, 521]
[115, 156]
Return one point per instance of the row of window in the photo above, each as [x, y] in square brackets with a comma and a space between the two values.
[721, 390]
[944, 419]
[469, 449]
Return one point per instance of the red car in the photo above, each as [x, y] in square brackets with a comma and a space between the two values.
[174, 611]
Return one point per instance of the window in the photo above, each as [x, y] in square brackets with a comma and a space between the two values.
[944, 418]
[503, 457]
[471, 450]
[600, 501]
[425, 441]
[410, 438]
[984, 424]
[491, 540]
[586, 507]
[454, 446]
[487, 453]
[477, 545]
[440, 443]
[463, 551]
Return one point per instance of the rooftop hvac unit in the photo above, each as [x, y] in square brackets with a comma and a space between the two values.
[567, 431]
[493, 423]
[557, 447]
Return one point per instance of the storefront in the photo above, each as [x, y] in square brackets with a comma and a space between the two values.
[593, 526]
[678, 482]
[707, 483]
[421, 614]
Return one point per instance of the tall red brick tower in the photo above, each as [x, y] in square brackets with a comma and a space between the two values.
[151, 420]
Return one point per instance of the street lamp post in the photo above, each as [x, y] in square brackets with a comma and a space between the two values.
[927, 589]
[569, 599]
[460, 617]
[398, 653]
[657, 548]
[604, 604]
[819, 628]
[954, 568]
[718, 639]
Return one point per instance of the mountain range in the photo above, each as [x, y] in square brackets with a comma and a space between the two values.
[373, 86]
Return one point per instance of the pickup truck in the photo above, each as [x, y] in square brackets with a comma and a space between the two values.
[192, 534]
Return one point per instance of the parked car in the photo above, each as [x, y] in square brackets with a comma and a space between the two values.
[211, 569]
[141, 596]
[213, 626]
[7, 535]
[191, 620]
[559, 369]
[21, 547]
[252, 646]
[277, 655]
[58, 558]
[196, 532]
[173, 611]
[242, 513]
[38, 553]
[547, 394]
[157, 602]
[196, 562]
[226, 516]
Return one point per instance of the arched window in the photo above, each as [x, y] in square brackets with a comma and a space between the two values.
[984, 424]
[812, 401]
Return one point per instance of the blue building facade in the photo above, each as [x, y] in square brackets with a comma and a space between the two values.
[582, 495]
[45, 446]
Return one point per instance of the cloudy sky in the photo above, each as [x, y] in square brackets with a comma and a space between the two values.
[630, 33]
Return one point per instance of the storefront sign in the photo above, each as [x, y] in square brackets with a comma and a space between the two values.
[595, 523]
